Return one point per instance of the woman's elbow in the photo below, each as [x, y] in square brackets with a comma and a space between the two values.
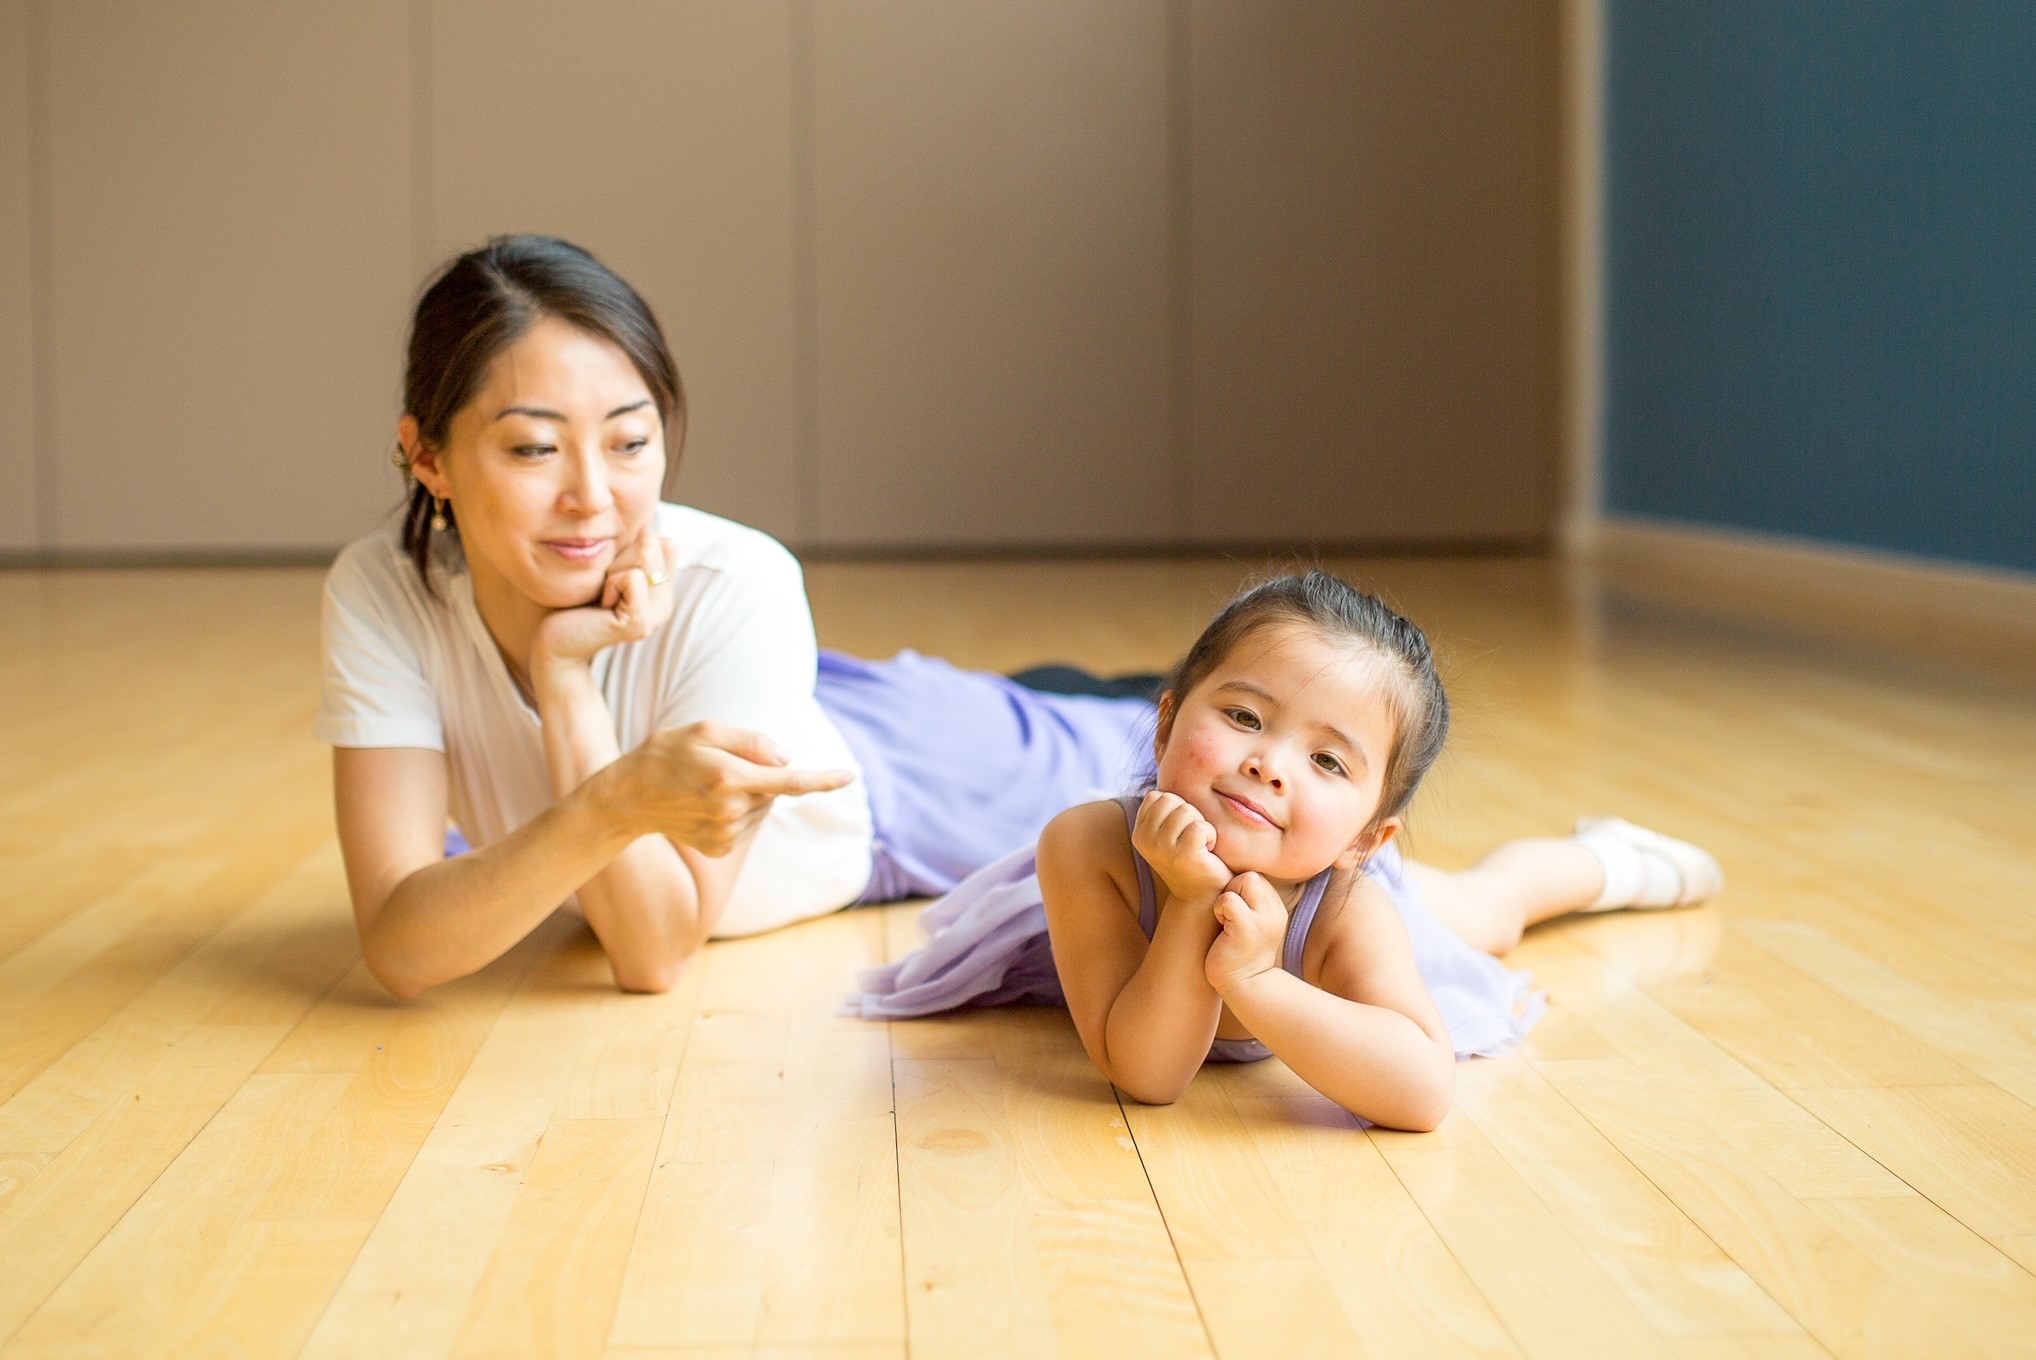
[405, 984]
[651, 976]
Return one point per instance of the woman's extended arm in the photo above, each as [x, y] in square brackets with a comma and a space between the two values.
[1146, 1012]
[1370, 1037]
[425, 920]
[655, 902]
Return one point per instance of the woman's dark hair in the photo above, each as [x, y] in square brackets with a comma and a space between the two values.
[1341, 612]
[487, 300]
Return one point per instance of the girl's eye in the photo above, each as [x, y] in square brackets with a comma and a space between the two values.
[1329, 762]
[1243, 717]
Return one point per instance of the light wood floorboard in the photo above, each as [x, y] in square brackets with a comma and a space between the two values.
[1798, 1122]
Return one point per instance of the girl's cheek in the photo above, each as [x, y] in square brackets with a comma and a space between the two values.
[1200, 749]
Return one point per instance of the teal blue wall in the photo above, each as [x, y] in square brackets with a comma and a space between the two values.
[1820, 271]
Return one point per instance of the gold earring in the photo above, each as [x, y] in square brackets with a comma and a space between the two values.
[438, 514]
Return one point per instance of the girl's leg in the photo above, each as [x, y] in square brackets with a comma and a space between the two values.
[1608, 864]
[1517, 885]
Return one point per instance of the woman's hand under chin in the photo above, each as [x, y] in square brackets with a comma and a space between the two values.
[629, 610]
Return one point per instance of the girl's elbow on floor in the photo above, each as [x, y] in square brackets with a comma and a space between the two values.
[1431, 1105]
[1421, 1107]
[1146, 1091]
[1425, 1117]
[1150, 1095]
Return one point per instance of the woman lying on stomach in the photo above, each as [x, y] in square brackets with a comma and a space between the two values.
[618, 700]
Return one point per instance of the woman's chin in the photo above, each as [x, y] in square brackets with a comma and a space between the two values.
[568, 585]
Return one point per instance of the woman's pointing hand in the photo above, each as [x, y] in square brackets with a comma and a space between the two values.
[708, 785]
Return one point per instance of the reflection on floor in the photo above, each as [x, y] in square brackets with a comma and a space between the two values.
[1796, 1122]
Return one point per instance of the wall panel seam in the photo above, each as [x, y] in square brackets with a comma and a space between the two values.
[41, 319]
[1581, 263]
[1180, 265]
[805, 274]
[422, 184]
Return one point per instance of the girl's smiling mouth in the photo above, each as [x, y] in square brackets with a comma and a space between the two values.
[1249, 810]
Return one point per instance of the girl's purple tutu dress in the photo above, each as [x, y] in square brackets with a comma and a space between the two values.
[963, 767]
[987, 946]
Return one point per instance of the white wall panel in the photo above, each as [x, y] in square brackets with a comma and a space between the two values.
[991, 273]
[18, 488]
[658, 135]
[230, 266]
[1372, 269]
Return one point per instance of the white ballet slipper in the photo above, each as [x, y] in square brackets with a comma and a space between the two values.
[1646, 869]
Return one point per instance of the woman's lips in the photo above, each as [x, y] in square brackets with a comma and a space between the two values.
[578, 549]
[1251, 811]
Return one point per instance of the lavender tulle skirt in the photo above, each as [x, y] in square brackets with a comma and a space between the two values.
[965, 767]
[986, 945]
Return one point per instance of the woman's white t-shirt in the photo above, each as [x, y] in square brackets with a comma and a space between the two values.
[405, 667]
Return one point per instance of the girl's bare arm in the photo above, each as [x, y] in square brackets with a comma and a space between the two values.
[1368, 1036]
[1145, 1013]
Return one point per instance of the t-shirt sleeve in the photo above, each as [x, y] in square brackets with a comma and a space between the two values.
[375, 689]
[750, 657]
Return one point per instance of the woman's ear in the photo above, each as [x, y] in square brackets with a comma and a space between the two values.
[423, 458]
[1369, 843]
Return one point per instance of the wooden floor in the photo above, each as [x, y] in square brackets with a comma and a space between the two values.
[1795, 1123]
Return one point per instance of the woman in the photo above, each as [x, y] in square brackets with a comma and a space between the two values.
[619, 701]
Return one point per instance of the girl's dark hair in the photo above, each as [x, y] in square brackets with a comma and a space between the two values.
[487, 300]
[1340, 611]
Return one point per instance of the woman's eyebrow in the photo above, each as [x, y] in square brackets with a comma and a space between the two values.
[539, 413]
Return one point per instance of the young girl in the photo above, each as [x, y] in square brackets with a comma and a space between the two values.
[1254, 901]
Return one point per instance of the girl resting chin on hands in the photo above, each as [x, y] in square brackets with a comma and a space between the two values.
[1254, 901]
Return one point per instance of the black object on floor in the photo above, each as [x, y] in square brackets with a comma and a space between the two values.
[1075, 680]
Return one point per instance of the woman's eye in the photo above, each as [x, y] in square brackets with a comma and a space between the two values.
[1329, 763]
[535, 450]
[635, 446]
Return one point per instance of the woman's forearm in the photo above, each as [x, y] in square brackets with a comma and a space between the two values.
[1161, 1024]
[1371, 1060]
[456, 916]
[645, 904]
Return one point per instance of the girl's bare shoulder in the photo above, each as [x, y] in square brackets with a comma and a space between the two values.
[1086, 841]
[1356, 929]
